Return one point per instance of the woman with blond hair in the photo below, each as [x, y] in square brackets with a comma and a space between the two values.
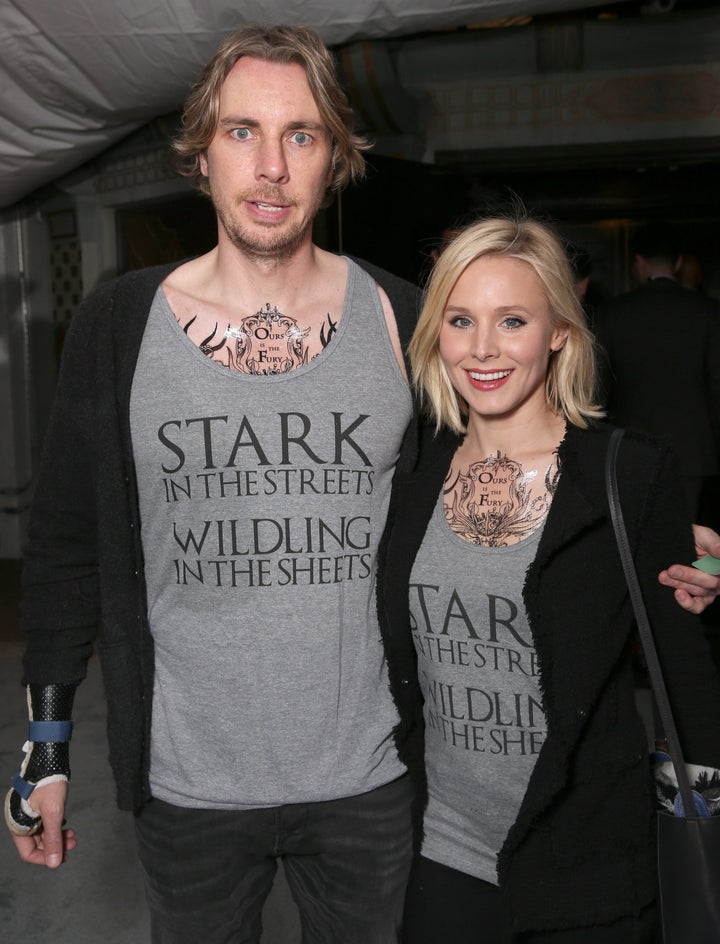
[507, 621]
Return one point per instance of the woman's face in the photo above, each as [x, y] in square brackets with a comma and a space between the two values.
[496, 337]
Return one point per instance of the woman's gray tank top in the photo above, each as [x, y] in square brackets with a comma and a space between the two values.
[483, 709]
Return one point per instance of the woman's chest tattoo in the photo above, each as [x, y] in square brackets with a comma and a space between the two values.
[494, 502]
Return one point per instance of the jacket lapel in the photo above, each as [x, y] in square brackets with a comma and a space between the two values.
[577, 649]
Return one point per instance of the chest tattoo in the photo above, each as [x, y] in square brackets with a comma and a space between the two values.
[267, 342]
[495, 503]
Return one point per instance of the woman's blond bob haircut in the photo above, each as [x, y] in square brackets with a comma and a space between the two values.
[284, 45]
[570, 382]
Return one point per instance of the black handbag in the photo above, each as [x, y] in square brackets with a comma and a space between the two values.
[689, 838]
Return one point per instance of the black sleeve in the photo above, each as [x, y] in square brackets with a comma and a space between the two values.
[60, 610]
[663, 536]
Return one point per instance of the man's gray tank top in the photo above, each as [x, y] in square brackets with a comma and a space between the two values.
[484, 722]
[262, 501]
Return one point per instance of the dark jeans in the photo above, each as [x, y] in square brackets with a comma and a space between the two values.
[444, 906]
[208, 872]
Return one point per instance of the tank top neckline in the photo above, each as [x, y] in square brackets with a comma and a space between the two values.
[353, 274]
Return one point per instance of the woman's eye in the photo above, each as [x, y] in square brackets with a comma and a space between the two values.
[460, 321]
[513, 323]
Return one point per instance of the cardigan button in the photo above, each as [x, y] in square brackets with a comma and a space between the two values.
[581, 712]
[404, 681]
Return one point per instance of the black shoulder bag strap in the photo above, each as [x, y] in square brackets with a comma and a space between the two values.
[643, 625]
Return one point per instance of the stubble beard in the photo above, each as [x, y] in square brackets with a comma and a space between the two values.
[265, 241]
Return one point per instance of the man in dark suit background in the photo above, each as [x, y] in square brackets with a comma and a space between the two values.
[661, 364]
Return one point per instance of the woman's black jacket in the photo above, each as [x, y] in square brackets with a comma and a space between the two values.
[582, 849]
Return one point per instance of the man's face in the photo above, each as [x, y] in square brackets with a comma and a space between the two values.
[268, 166]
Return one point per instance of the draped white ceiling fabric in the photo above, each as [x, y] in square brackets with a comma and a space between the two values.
[78, 75]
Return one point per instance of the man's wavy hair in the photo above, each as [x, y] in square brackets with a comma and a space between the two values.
[284, 45]
[571, 377]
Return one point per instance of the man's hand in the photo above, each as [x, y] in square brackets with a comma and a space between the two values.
[51, 845]
[694, 589]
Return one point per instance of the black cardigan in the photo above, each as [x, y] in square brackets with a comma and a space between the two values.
[582, 848]
[83, 561]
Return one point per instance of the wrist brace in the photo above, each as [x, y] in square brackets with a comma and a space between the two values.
[47, 754]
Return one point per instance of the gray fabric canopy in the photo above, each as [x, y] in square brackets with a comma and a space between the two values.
[78, 75]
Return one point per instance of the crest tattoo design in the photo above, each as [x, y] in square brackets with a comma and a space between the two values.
[267, 342]
[491, 505]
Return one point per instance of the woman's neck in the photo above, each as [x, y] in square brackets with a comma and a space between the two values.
[519, 438]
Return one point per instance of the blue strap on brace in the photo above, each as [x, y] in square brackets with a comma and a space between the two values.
[42, 731]
[22, 786]
[49, 731]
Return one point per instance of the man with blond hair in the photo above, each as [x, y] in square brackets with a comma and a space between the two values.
[216, 483]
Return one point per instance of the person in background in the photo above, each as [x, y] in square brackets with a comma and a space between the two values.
[661, 347]
[689, 271]
[446, 237]
[507, 620]
[690, 275]
[581, 265]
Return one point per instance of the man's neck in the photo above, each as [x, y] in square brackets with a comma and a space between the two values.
[232, 279]
[648, 269]
[221, 299]
[231, 270]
